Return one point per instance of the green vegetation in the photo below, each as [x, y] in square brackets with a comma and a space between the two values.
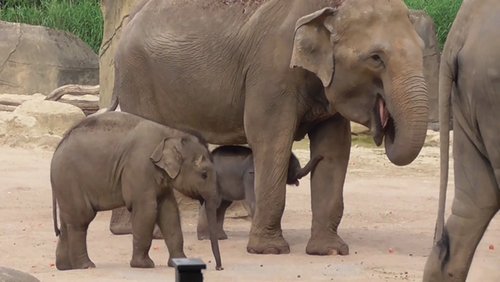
[443, 13]
[80, 17]
[84, 19]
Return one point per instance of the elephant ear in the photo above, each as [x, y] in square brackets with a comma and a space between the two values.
[167, 156]
[312, 47]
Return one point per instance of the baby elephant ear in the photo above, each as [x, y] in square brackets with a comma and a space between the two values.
[167, 156]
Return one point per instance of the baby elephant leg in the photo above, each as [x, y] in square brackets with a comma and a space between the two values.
[170, 225]
[143, 219]
[121, 223]
[202, 228]
[77, 238]
[71, 251]
[221, 213]
[62, 251]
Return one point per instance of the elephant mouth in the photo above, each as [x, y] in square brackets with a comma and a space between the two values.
[384, 124]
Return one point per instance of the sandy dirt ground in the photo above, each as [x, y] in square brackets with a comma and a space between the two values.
[388, 222]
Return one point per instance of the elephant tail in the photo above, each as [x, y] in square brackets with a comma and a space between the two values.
[112, 107]
[54, 214]
[114, 103]
[446, 78]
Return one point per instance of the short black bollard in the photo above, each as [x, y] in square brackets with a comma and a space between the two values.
[188, 270]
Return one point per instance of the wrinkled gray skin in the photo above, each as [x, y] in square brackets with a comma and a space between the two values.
[235, 182]
[117, 159]
[268, 72]
[469, 79]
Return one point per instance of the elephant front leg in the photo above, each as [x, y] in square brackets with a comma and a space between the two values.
[221, 214]
[144, 215]
[270, 134]
[332, 140]
[170, 225]
[202, 229]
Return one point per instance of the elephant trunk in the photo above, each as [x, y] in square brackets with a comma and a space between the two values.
[405, 132]
[310, 166]
[211, 209]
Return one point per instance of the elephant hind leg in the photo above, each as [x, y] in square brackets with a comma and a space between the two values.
[62, 250]
[476, 202]
[332, 140]
[77, 236]
[75, 219]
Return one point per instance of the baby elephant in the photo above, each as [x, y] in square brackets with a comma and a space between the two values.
[117, 159]
[235, 181]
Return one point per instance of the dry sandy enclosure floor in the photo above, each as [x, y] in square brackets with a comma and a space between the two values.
[388, 223]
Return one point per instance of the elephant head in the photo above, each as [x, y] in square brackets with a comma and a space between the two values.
[188, 164]
[368, 57]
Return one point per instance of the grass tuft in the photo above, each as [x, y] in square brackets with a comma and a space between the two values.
[82, 18]
[443, 12]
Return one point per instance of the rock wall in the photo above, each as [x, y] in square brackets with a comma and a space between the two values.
[115, 15]
[36, 59]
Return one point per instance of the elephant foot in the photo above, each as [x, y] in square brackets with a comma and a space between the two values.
[171, 263]
[63, 265]
[84, 265]
[323, 245]
[142, 262]
[268, 245]
[221, 235]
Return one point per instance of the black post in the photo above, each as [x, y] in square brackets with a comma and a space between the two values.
[188, 270]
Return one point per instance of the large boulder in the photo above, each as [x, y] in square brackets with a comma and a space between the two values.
[52, 117]
[115, 15]
[37, 123]
[426, 29]
[12, 275]
[38, 59]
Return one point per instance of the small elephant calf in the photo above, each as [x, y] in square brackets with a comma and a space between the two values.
[117, 159]
[235, 181]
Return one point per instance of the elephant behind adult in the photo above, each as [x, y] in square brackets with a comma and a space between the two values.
[268, 72]
[470, 80]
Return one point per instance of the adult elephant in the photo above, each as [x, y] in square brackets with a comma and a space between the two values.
[269, 72]
[469, 79]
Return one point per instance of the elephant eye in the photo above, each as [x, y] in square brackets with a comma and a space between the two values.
[376, 61]
[204, 174]
[376, 58]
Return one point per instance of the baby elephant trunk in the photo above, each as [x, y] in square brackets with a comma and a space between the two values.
[211, 209]
[295, 172]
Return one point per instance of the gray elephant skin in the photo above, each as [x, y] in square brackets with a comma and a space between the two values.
[235, 181]
[117, 159]
[268, 72]
[469, 81]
